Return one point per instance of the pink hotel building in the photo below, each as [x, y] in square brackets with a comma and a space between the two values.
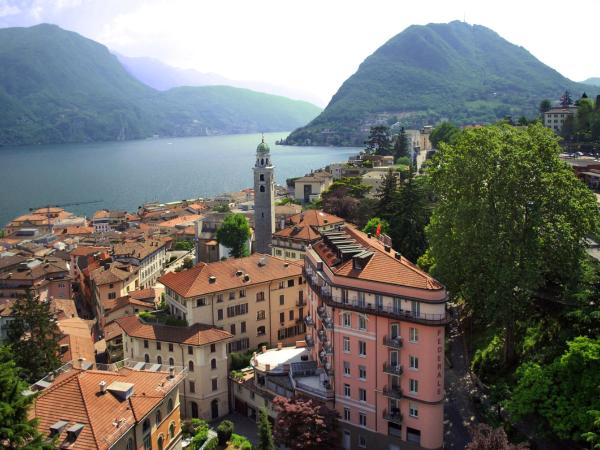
[376, 329]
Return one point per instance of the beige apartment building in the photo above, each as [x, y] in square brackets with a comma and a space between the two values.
[150, 255]
[110, 282]
[201, 349]
[258, 299]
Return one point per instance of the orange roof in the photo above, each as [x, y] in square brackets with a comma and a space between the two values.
[196, 281]
[314, 217]
[112, 330]
[197, 334]
[144, 294]
[382, 267]
[198, 206]
[181, 220]
[74, 397]
[298, 232]
[78, 336]
[123, 302]
[139, 249]
[78, 230]
[63, 307]
[83, 250]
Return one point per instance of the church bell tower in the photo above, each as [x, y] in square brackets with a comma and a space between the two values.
[264, 198]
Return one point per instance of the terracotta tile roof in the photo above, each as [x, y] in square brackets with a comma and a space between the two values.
[315, 217]
[382, 267]
[115, 273]
[11, 261]
[148, 294]
[122, 302]
[48, 267]
[316, 177]
[75, 231]
[138, 249]
[77, 335]
[74, 397]
[63, 308]
[181, 220]
[84, 250]
[112, 330]
[195, 281]
[298, 232]
[288, 210]
[197, 334]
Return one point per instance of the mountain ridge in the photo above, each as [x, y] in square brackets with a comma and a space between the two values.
[429, 73]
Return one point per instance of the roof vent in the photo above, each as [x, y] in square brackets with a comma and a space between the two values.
[74, 431]
[398, 255]
[57, 427]
[246, 277]
[387, 248]
[238, 273]
[102, 385]
[212, 279]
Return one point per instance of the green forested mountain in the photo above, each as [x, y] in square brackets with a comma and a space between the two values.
[57, 86]
[595, 81]
[456, 71]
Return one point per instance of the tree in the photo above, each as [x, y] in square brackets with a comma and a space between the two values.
[378, 142]
[523, 122]
[344, 197]
[17, 430]
[444, 132]
[563, 392]
[234, 234]
[224, 431]
[509, 210]
[385, 194]
[566, 100]
[401, 145]
[545, 105]
[484, 437]
[265, 434]
[371, 226]
[34, 337]
[305, 425]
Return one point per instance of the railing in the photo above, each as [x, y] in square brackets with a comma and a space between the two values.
[392, 391]
[300, 302]
[395, 342]
[392, 369]
[309, 341]
[322, 335]
[325, 393]
[308, 321]
[392, 416]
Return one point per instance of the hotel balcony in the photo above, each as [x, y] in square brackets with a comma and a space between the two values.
[300, 302]
[325, 317]
[393, 391]
[392, 369]
[322, 334]
[395, 342]
[393, 416]
[309, 341]
[308, 321]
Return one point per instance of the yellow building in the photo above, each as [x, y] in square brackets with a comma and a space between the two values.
[201, 349]
[259, 299]
[111, 282]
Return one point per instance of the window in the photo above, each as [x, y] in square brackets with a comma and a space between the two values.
[362, 394]
[281, 299]
[219, 314]
[361, 298]
[242, 293]
[232, 295]
[414, 386]
[347, 319]
[172, 430]
[157, 345]
[214, 384]
[362, 322]
[260, 331]
[145, 343]
[190, 350]
[282, 317]
[243, 327]
[192, 387]
[237, 310]
[232, 328]
[260, 315]
[171, 362]
[262, 177]
[290, 283]
[362, 372]
[346, 344]
[159, 359]
[347, 390]
[362, 348]
[146, 425]
[362, 441]
[147, 442]
[413, 409]
[219, 298]
[378, 301]
[362, 419]
[213, 348]
[413, 335]
[281, 284]
[170, 405]
[291, 314]
[260, 296]
[170, 347]
[347, 414]
[112, 295]
[191, 366]
[213, 364]
[413, 362]
[346, 368]
[200, 302]
[158, 416]
[146, 358]
[262, 189]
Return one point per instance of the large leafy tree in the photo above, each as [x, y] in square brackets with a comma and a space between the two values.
[344, 197]
[510, 220]
[564, 393]
[445, 132]
[545, 105]
[234, 233]
[34, 337]
[17, 430]
[305, 425]
[265, 434]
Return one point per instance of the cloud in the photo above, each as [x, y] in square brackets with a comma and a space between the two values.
[9, 10]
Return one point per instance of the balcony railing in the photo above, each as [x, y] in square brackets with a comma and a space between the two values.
[393, 416]
[309, 341]
[324, 293]
[392, 369]
[393, 391]
[322, 335]
[394, 342]
[308, 321]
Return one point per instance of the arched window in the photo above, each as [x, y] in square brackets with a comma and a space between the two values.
[158, 416]
[146, 358]
[262, 162]
[262, 177]
[171, 362]
[170, 405]
[146, 425]
[213, 363]
[194, 406]
[160, 442]
[267, 161]
[262, 189]
[172, 430]
[159, 359]
[191, 366]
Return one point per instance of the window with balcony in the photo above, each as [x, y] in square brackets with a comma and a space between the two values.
[397, 305]
[361, 298]
[379, 301]
[413, 386]
[413, 362]
[346, 344]
[344, 295]
[415, 308]
[362, 348]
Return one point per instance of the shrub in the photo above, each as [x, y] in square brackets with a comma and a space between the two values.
[487, 362]
[240, 360]
[240, 442]
[212, 444]
[224, 431]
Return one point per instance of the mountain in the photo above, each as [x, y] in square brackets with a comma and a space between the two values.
[57, 86]
[594, 81]
[456, 71]
[161, 76]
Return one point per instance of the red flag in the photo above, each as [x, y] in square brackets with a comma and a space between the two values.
[378, 232]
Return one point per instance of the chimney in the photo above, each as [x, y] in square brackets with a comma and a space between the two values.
[102, 385]
[171, 372]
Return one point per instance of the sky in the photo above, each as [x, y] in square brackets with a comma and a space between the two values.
[309, 45]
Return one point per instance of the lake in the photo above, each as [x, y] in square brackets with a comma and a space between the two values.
[126, 174]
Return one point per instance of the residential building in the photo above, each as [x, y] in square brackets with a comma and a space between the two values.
[76, 342]
[376, 327]
[43, 277]
[104, 221]
[302, 230]
[208, 248]
[310, 187]
[121, 406]
[110, 281]
[201, 349]
[258, 298]
[555, 117]
[149, 255]
[127, 305]
[264, 198]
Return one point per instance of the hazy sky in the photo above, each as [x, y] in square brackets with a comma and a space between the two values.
[311, 45]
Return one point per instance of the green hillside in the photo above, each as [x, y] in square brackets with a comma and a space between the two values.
[57, 86]
[455, 71]
[594, 81]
